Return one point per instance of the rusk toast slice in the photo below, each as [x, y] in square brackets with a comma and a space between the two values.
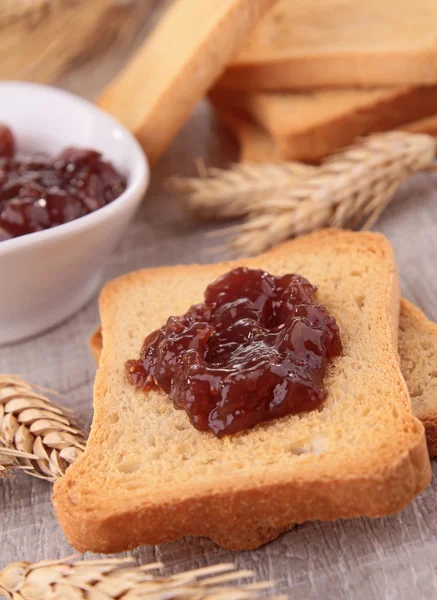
[147, 476]
[417, 347]
[178, 62]
[258, 146]
[310, 126]
[418, 353]
[425, 125]
[303, 44]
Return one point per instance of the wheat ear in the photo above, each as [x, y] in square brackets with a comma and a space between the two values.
[40, 39]
[351, 190]
[111, 579]
[36, 434]
[234, 192]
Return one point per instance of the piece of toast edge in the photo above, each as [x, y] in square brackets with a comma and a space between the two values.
[425, 125]
[188, 49]
[309, 127]
[417, 346]
[339, 471]
[258, 146]
[308, 44]
[297, 74]
[255, 144]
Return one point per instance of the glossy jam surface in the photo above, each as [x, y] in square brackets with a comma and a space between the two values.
[37, 192]
[256, 349]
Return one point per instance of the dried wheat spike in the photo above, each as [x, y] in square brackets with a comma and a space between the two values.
[36, 434]
[110, 579]
[285, 200]
[38, 41]
[234, 192]
[350, 190]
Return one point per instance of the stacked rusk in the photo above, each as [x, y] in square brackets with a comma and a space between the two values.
[313, 76]
[148, 476]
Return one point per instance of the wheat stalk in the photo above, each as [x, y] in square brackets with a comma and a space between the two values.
[41, 38]
[351, 189]
[15, 10]
[234, 192]
[122, 579]
[36, 434]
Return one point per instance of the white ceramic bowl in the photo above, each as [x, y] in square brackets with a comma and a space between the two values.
[48, 275]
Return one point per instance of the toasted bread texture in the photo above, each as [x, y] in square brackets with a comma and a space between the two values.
[258, 146]
[425, 125]
[147, 476]
[188, 49]
[417, 346]
[418, 354]
[304, 44]
[96, 344]
[310, 126]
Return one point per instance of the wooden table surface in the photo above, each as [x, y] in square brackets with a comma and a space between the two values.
[394, 557]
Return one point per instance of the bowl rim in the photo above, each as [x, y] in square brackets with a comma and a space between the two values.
[140, 176]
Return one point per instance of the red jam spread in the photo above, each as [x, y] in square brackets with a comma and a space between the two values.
[256, 349]
[38, 192]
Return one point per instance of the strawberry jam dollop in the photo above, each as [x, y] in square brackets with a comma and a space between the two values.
[256, 349]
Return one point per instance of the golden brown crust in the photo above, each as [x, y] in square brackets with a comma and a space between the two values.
[418, 353]
[425, 125]
[256, 145]
[339, 71]
[293, 48]
[226, 520]
[96, 344]
[238, 510]
[192, 52]
[430, 424]
[391, 113]
[285, 126]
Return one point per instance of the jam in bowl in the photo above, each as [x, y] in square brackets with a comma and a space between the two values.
[50, 273]
[39, 192]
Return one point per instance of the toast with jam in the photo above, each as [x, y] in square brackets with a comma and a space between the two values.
[149, 476]
[417, 343]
